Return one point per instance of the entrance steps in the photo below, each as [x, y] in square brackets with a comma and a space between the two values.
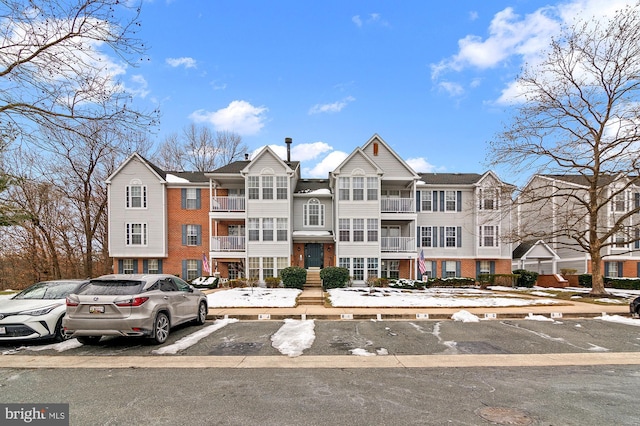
[312, 293]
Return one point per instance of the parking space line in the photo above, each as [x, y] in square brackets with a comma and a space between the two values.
[312, 361]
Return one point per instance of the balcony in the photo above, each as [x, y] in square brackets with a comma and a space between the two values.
[398, 244]
[397, 205]
[228, 204]
[228, 244]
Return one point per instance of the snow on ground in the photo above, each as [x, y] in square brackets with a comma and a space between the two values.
[253, 297]
[429, 298]
[465, 316]
[59, 347]
[193, 338]
[294, 337]
[619, 319]
[533, 317]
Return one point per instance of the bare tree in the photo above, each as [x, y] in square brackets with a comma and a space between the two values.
[579, 122]
[60, 64]
[199, 149]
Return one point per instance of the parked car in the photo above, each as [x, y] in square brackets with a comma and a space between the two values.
[36, 312]
[132, 305]
[634, 307]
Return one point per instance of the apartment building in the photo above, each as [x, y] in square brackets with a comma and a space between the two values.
[548, 213]
[373, 215]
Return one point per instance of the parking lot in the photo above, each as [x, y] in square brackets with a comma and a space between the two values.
[364, 338]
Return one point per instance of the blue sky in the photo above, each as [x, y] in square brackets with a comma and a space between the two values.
[433, 79]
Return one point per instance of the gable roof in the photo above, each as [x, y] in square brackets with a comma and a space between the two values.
[358, 151]
[533, 250]
[160, 174]
[377, 138]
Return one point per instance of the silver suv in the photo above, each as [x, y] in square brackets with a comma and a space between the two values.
[132, 305]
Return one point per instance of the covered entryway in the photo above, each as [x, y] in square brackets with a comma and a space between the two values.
[313, 255]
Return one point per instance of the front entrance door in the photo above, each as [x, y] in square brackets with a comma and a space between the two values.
[313, 255]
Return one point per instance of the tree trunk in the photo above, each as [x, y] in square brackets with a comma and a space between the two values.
[597, 279]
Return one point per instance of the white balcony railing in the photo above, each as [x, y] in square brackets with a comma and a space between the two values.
[398, 205]
[228, 244]
[228, 204]
[398, 244]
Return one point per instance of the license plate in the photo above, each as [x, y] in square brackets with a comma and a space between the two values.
[96, 309]
[3, 330]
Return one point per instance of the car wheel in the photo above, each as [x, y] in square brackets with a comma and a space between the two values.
[89, 340]
[58, 334]
[202, 313]
[161, 328]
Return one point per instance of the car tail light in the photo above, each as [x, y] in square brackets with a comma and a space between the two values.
[71, 302]
[136, 301]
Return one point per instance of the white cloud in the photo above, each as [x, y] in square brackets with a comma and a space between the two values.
[421, 165]
[240, 117]
[371, 19]
[140, 87]
[523, 38]
[331, 108]
[356, 20]
[453, 89]
[301, 152]
[183, 61]
[328, 164]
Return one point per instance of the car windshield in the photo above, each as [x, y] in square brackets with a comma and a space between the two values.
[113, 287]
[47, 290]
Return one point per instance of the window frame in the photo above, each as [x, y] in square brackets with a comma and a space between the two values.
[130, 197]
[130, 234]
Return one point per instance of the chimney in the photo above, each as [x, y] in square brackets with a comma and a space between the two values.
[246, 156]
[288, 141]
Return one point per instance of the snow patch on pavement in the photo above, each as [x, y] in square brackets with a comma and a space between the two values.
[294, 337]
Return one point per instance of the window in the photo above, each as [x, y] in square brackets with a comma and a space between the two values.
[193, 234]
[313, 213]
[127, 266]
[619, 204]
[283, 229]
[254, 187]
[426, 236]
[450, 201]
[267, 267]
[136, 234]
[344, 230]
[358, 188]
[372, 230]
[153, 266]
[358, 229]
[254, 229]
[234, 270]
[429, 272]
[426, 201]
[485, 267]
[611, 269]
[358, 268]
[191, 199]
[192, 270]
[372, 267]
[620, 240]
[267, 229]
[450, 269]
[372, 188]
[282, 262]
[254, 268]
[343, 188]
[136, 197]
[488, 199]
[345, 262]
[450, 236]
[282, 190]
[488, 236]
[267, 187]
[391, 269]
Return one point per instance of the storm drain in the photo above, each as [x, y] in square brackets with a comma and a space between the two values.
[479, 348]
[237, 348]
[505, 416]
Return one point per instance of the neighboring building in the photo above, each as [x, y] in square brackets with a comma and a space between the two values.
[373, 215]
[544, 219]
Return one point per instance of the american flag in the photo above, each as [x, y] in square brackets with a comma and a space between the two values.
[422, 266]
[205, 264]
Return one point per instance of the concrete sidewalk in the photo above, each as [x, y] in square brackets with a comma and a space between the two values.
[566, 309]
